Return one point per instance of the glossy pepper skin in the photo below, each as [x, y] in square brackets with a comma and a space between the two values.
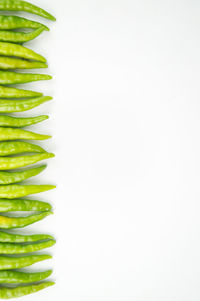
[17, 147]
[20, 37]
[19, 238]
[10, 49]
[17, 191]
[15, 22]
[19, 5]
[10, 121]
[8, 92]
[8, 63]
[21, 277]
[7, 163]
[8, 263]
[14, 133]
[16, 248]
[11, 106]
[8, 293]
[23, 205]
[7, 222]
[11, 78]
[8, 177]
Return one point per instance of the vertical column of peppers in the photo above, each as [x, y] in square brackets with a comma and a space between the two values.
[16, 152]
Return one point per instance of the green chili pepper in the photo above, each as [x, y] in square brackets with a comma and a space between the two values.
[10, 121]
[13, 133]
[7, 163]
[11, 78]
[9, 49]
[21, 277]
[8, 263]
[12, 248]
[23, 205]
[7, 63]
[16, 147]
[7, 222]
[8, 92]
[17, 238]
[20, 37]
[15, 22]
[17, 191]
[8, 293]
[8, 177]
[11, 106]
[19, 5]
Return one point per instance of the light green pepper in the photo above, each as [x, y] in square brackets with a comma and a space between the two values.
[20, 37]
[8, 222]
[8, 92]
[21, 277]
[10, 49]
[13, 134]
[15, 22]
[8, 293]
[8, 177]
[11, 106]
[17, 147]
[11, 78]
[18, 238]
[7, 163]
[19, 5]
[17, 191]
[7, 63]
[10, 121]
[23, 205]
[13, 248]
[8, 263]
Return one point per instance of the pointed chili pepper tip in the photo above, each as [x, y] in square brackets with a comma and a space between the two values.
[45, 117]
[51, 17]
[46, 28]
[49, 272]
[42, 167]
[46, 98]
[48, 77]
[51, 155]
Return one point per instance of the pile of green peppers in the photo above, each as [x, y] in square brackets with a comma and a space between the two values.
[16, 153]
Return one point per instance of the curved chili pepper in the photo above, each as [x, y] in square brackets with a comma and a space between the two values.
[11, 78]
[17, 238]
[20, 37]
[7, 263]
[7, 63]
[14, 133]
[8, 92]
[21, 277]
[8, 177]
[13, 248]
[8, 293]
[17, 191]
[11, 106]
[7, 163]
[10, 49]
[15, 22]
[7, 222]
[17, 147]
[23, 205]
[10, 121]
[19, 5]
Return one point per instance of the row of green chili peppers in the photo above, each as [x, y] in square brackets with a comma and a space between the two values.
[16, 153]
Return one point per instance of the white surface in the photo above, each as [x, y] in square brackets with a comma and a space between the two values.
[125, 121]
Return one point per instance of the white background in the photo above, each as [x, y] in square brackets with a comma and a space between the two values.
[125, 125]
